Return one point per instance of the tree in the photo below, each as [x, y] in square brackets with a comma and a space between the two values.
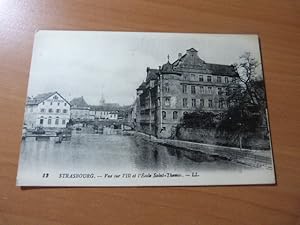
[199, 119]
[246, 99]
[250, 88]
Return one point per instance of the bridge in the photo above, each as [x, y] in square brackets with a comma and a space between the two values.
[107, 123]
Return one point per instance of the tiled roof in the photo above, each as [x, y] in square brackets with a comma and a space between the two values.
[42, 97]
[219, 69]
[79, 102]
[152, 74]
[39, 98]
[167, 67]
[142, 86]
[111, 107]
[191, 50]
[197, 63]
[189, 59]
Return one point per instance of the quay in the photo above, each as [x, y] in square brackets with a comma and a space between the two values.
[253, 158]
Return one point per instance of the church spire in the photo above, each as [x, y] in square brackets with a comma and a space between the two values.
[102, 100]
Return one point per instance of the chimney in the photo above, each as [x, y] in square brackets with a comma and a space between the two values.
[179, 55]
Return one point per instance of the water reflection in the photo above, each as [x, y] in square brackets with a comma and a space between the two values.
[108, 152]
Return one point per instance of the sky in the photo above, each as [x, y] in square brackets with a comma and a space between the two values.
[113, 64]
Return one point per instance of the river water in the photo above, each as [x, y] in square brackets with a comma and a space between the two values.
[88, 151]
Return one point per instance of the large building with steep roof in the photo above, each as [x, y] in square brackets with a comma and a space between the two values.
[184, 86]
[80, 110]
[48, 110]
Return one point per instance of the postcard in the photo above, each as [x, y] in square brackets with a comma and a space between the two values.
[145, 109]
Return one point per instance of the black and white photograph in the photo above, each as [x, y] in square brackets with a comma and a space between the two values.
[145, 109]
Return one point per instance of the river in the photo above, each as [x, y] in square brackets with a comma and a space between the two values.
[88, 151]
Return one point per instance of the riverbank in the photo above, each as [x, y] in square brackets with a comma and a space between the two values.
[253, 158]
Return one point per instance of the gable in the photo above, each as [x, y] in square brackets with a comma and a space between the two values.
[56, 97]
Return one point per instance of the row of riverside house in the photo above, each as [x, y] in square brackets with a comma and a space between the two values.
[51, 110]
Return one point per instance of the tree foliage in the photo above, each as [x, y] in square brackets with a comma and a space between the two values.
[246, 98]
[199, 119]
[249, 90]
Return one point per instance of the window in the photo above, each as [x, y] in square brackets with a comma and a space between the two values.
[184, 88]
[219, 91]
[50, 110]
[226, 80]
[43, 103]
[63, 121]
[202, 102]
[227, 92]
[42, 110]
[55, 97]
[158, 101]
[193, 89]
[57, 110]
[185, 77]
[201, 89]
[233, 80]
[175, 115]
[193, 77]
[221, 103]
[51, 103]
[209, 90]
[208, 78]
[164, 115]
[184, 102]
[167, 88]
[41, 121]
[49, 121]
[201, 78]
[219, 79]
[167, 101]
[65, 111]
[58, 103]
[151, 83]
[56, 121]
[65, 104]
[210, 104]
[193, 102]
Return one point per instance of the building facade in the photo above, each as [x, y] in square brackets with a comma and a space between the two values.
[184, 86]
[103, 113]
[80, 110]
[106, 115]
[49, 110]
